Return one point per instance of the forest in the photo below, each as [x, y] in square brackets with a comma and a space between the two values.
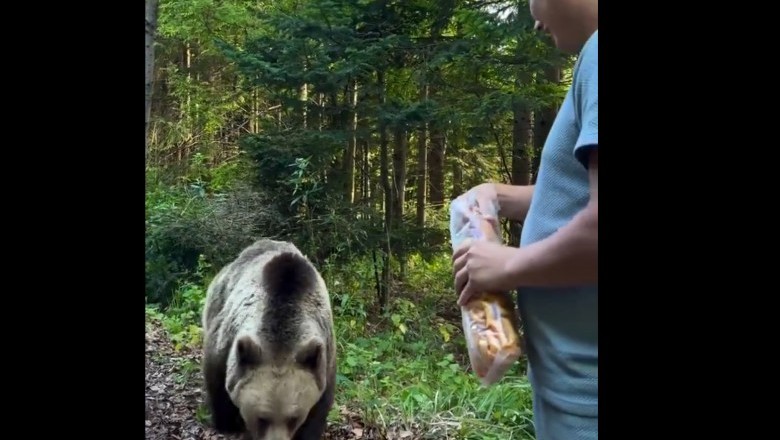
[345, 127]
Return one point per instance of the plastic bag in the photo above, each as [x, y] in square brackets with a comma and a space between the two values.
[489, 319]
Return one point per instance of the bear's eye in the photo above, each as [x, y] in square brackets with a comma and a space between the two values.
[292, 422]
[262, 426]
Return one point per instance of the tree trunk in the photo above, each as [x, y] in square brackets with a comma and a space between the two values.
[304, 98]
[457, 168]
[522, 150]
[384, 177]
[151, 29]
[349, 163]
[365, 168]
[543, 122]
[400, 152]
[436, 164]
[422, 165]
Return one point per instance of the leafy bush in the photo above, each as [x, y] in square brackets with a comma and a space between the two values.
[188, 220]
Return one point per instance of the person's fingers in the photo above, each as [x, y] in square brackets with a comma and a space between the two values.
[461, 279]
[460, 263]
[461, 250]
[466, 295]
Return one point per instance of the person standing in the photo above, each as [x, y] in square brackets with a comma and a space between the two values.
[555, 267]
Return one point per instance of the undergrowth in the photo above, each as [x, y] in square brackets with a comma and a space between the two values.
[406, 368]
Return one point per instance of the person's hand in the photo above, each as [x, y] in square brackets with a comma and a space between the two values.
[486, 198]
[480, 266]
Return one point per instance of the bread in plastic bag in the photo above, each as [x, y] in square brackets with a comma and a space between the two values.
[489, 319]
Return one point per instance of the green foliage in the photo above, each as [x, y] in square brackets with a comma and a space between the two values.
[182, 312]
[276, 156]
[228, 176]
[247, 57]
[191, 20]
[209, 214]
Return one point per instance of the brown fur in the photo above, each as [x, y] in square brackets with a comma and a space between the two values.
[317, 421]
[286, 292]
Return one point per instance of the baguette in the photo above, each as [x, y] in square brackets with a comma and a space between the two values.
[488, 318]
[491, 325]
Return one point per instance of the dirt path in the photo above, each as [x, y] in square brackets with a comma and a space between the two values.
[174, 396]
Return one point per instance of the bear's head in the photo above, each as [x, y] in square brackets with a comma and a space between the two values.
[274, 394]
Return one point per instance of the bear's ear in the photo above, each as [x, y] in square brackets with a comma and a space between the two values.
[311, 357]
[248, 352]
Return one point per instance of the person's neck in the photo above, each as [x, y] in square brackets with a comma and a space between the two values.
[589, 25]
[590, 18]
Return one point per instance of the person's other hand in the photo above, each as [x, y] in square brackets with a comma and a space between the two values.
[480, 266]
[486, 198]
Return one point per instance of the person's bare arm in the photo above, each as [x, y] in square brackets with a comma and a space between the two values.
[514, 200]
[570, 255]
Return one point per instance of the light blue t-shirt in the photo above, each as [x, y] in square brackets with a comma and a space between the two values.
[561, 324]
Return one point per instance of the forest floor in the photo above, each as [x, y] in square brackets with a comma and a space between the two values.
[174, 397]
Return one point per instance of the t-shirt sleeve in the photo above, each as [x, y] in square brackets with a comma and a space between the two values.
[586, 97]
